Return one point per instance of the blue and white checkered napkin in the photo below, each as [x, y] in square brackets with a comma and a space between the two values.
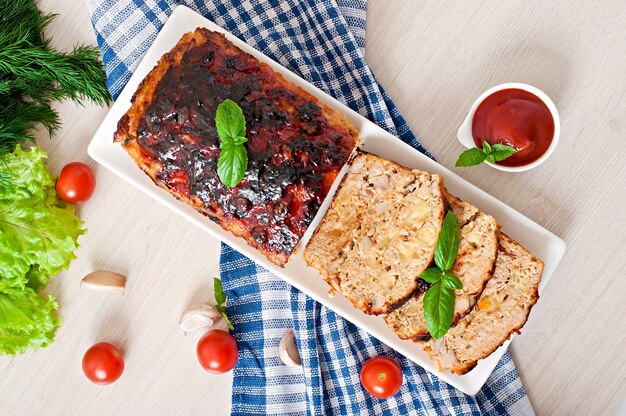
[323, 41]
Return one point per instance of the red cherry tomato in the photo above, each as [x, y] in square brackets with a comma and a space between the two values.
[381, 376]
[217, 351]
[76, 183]
[103, 363]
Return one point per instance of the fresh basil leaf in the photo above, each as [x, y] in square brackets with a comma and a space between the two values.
[502, 151]
[229, 120]
[220, 299]
[232, 163]
[432, 275]
[450, 281]
[231, 127]
[471, 157]
[447, 243]
[438, 309]
[218, 292]
[490, 153]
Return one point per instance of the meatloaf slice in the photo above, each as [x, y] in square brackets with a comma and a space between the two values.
[473, 266]
[379, 234]
[501, 310]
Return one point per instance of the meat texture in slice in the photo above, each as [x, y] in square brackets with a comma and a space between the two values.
[473, 266]
[379, 234]
[502, 309]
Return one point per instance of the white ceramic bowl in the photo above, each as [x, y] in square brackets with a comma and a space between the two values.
[465, 130]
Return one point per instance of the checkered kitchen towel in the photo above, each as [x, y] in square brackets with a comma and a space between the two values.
[323, 41]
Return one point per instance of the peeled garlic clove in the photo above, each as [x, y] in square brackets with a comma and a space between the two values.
[203, 316]
[288, 350]
[103, 280]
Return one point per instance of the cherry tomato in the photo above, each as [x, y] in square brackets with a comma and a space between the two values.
[381, 376]
[103, 363]
[76, 183]
[217, 351]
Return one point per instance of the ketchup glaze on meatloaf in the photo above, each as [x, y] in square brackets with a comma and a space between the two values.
[296, 145]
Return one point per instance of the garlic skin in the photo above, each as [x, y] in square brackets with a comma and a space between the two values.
[105, 281]
[198, 317]
[288, 350]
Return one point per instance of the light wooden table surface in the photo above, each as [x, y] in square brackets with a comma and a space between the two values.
[434, 59]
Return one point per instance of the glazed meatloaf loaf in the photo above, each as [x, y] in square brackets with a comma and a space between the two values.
[501, 310]
[473, 266]
[296, 145]
[379, 234]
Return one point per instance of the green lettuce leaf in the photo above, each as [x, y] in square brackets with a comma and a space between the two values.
[38, 232]
[27, 321]
[38, 237]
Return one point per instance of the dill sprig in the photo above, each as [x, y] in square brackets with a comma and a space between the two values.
[33, 75]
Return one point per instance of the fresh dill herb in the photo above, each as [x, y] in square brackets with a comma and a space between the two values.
[33, 75]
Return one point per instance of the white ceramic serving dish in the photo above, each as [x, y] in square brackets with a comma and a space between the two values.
[464, 133]
[541, 242]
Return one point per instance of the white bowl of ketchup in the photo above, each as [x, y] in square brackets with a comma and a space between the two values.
[518, 115]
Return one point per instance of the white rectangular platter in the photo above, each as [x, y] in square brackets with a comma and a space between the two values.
[539, 241]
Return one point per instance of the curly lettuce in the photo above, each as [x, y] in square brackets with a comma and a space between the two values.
[38, 237]
[27, 320]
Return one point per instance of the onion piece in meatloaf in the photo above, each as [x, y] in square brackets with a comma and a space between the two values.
[474, 264]
[501, 310]
[379, 234]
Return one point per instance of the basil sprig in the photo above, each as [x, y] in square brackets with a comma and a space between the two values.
[220, 300]
[491, 153]
[233, 158]
[439, 298]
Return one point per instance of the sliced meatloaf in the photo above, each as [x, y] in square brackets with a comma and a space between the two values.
[473, 266]
[501, 310]
[379, 234]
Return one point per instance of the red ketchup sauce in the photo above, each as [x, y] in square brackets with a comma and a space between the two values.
[518, 119]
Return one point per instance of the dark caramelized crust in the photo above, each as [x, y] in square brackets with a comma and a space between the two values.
[296, 145]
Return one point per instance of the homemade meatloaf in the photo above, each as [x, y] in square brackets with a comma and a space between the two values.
[296, 145]
[379, 234]
[474, 263]
[501, 310]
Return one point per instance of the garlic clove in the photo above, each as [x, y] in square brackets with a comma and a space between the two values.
[198, 317]
[106, 281]
[288, 350]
